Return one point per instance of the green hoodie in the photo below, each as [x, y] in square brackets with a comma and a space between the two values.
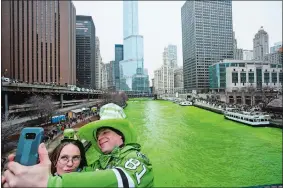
[123, 167]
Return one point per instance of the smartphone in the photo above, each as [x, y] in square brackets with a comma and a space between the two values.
[27, 149]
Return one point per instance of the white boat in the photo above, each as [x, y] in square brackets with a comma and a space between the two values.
[186, 103]
[249, 118]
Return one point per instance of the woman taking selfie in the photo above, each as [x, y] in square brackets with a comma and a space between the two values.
[68, 156]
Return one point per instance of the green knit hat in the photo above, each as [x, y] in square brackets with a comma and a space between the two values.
[88, 131]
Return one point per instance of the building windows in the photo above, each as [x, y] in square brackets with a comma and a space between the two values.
[235, 77]
[280, 77]
[251, 77]
[272, 66]
[274, 77]
[243, 77]
[266, 77]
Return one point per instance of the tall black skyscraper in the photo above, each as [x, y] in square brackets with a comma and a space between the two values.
[118, 57]
[207, 37]
[85, 51]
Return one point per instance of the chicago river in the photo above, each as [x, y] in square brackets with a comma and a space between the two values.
[189, 146]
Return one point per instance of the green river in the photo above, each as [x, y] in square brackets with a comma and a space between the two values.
[192, 147]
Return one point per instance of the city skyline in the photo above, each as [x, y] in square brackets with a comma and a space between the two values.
[157, 30]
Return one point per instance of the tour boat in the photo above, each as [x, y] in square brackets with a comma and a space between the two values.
[249, 118]
[186, 103]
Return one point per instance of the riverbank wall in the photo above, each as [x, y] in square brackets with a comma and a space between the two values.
[275, 123]
[208, 107]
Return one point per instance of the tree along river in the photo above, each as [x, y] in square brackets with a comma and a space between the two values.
[192, 147]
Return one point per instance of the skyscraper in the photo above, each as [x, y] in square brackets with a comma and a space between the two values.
[39, 41]
[118, 57]
[261, 44]
[85, 50]
[110, 75]
[207, 37]
[133, 45]
[238, 53]
[164, 80]
[98, 64]
[170, 56]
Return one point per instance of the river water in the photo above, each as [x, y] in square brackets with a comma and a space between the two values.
[192, 147]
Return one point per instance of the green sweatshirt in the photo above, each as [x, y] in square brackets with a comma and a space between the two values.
[124, 167]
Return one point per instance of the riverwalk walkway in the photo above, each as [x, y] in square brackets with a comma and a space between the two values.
[51, 144]
[62, 110]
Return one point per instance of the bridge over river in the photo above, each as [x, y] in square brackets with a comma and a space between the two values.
[192, 147]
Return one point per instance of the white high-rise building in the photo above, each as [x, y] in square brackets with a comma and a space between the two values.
[164, 80]
[170, 56]
[104, 76]
[261, 44]
[98, 61]
[248, 54]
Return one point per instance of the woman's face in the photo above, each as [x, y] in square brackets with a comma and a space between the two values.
[69, 159]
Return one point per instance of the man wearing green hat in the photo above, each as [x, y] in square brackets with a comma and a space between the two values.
[121, 163]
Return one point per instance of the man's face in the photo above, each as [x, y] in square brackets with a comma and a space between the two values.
[107, 140]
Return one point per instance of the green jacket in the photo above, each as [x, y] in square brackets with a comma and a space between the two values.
[124, 167]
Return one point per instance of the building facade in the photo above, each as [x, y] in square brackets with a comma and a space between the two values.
[85, 52]
[170, 56]
[236, 75]
[238, 53]
[178, 80]
[98, 64]
[110, 67]
[104, 76]
[119, 50]
[133, 45]
[38, 41]
[248, 55]
[140, 82]
[276, 47]
[207, 38]
[260, 44]
[164, 80]
[152, 84]
[275, 57]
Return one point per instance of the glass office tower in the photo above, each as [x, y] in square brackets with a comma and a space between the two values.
[132, 63]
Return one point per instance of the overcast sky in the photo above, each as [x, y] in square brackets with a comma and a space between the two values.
[160, 24]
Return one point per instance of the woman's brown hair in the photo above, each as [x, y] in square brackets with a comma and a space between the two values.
[56, 153]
